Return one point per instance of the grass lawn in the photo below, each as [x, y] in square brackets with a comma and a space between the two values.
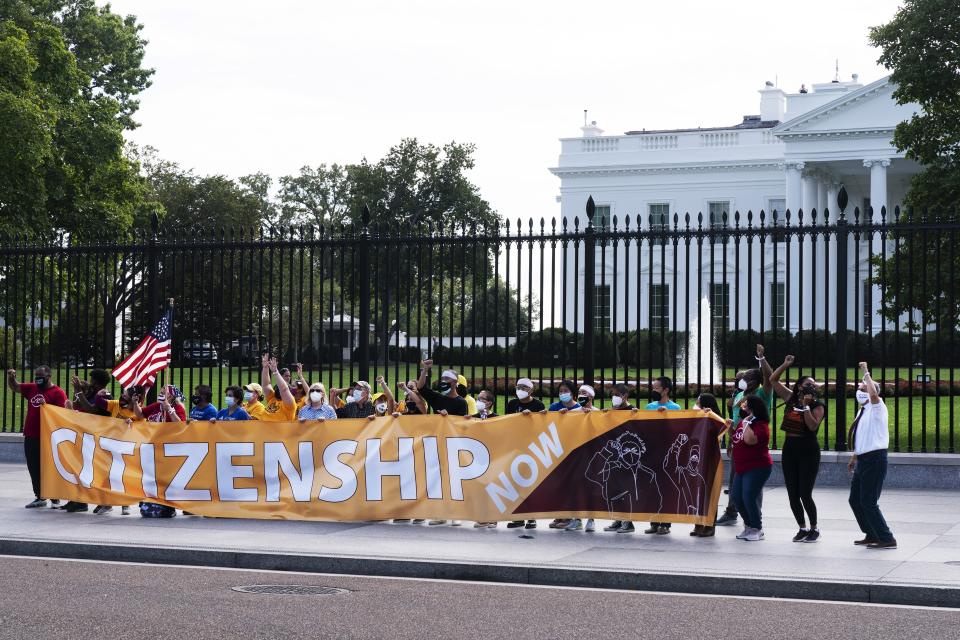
[914, 421]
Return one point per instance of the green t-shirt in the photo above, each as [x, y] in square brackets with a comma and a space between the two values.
[737, 399]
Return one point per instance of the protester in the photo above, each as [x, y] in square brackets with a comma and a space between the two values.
[486, 405]
[447, 399]
[800, 457]
[36, 393]
[384, 403]
[566, 401]
[357, 404]
[585, 397]
[252, 397]
[708, 402]
[317, 408]
[201, 401]
[464, 393]
[168, 407]
[412, 403]
[752, 464]
[869, 439]
[620, 398]
[301, 388]
[233, 406]
[524, 402]
[84, 400]
[281, 406]
[750, 382]
[659, 401]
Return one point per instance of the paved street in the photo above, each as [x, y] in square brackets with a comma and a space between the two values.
[113, 600]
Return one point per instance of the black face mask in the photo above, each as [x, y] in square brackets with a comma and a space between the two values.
[444, 386]
[654, 396]
[809, 389]
[583, 400]
[461, 390]
[196, 400]
[41, 382]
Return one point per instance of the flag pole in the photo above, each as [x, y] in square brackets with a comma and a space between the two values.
[160, 384]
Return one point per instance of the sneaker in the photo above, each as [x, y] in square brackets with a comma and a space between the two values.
[454, 523]
[73, 507]
[755, 535]
[54, 504]
[866, 541]
[727, 520]
[743, 534]
[417, 521]
[889, 544]
[36, 504]
[125, 511]
[401, 520]
[434, 523]
[575, 525]
[663, 529]
[626, 527]
[480, 525]
[531, 524]
[801, 535]
[653, 529]
[516, 524]
[614, 526]
[102, 508]
[591, 527]
[708, 532]
[560, 523]
[492, 525]
[813, 536]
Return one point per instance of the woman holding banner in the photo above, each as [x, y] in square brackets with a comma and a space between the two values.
[752, 464]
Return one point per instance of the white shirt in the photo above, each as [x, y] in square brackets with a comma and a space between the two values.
[873, 431]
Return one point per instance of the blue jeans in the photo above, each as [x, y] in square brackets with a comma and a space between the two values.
[868, 477]
[747, 489]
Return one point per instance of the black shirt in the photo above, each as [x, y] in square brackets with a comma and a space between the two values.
[623, 407]
[356, 410]
[439, 402]
[516, 406]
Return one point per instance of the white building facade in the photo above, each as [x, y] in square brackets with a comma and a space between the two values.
[793, 156]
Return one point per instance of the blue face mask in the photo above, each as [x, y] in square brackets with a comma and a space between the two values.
[229, 401]
[566, 397]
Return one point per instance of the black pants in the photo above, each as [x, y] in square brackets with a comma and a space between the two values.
[865, 491]
[801, 463]
[31, 449]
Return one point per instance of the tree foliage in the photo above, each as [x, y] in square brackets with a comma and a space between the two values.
[921, 46]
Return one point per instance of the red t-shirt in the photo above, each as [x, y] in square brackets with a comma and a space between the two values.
[747, 457]
[155, 413]
[52, 394]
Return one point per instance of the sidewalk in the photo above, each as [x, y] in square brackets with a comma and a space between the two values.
[924, 570]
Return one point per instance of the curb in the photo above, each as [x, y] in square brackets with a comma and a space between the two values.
[835, 591]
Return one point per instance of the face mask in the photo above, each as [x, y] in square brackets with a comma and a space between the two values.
[350, 399]
[616, 401]
[481, 406]
[583, 400]
[247, 396]
[357, 394]
[445, 388]
[523, 395]
[41, 382]
[316, 396]
[161, 398]
[195, 400]
[229, 401]
[809, 389]
[742, 385]
[381, 408]
[654, 397]
[862, 397]
[565, 397]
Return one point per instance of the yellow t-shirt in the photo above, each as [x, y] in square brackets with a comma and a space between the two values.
[255, 410]
[277, 411]
[116, 411]
[471, 405]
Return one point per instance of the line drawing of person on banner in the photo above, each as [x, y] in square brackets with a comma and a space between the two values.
[623, 478]
[685, 477]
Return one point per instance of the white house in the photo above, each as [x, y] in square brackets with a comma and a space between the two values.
[794, 155]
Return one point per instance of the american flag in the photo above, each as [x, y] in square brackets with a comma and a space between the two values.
[153, 354]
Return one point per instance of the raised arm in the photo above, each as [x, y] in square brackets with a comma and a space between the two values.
[871, 385]
[766, 373]
[12, 383]
[778, 387]
[265, 374]
[424, 371]
[413, 396]
[78, 393]
[135, 407]
[285, 395]
[301, 379]
[391, 401]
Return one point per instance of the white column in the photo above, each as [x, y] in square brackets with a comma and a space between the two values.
[822, 201]
[878, 185]
[809, 199]
[794, 191]
[833, 188]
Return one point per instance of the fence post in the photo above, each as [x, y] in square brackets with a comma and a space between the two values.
[840, 397]
[363, 256]
[589, 281]
[153, 286]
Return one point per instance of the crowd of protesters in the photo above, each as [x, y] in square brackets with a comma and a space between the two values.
[278, 397]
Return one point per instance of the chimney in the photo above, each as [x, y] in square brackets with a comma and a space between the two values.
[591, 130]
[773, 103]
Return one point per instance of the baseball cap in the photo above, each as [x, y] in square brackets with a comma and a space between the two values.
[256, 388]
[525, 382]
[450, 374]
[362, 383]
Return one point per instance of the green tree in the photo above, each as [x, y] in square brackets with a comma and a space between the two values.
[69, 76]
[921, 47]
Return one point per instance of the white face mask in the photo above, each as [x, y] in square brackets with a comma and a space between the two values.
[247, 396]
[316, 396]
[862, 397]
[382, 407]
[742, 385]
[616, 401]
[523, 395]
[357, 394]
[481, 406]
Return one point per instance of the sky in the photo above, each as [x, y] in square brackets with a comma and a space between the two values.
[244, 86]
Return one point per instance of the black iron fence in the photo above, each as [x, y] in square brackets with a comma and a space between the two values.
[596, 300]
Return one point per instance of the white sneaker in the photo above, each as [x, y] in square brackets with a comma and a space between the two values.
[434, 523]
[454, 523]
[575, 525]
[591, 527]
[743, 534]
[755, 535]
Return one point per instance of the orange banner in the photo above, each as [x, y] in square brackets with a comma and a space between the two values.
[625, 465]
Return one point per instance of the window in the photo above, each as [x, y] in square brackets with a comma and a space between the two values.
[601, 307]
[778, 305]
[717, 211]
[865, 210]
[720, 305]
[660, 307]
[867, 308]
[601, 220]
[659, 216]
[776, 212]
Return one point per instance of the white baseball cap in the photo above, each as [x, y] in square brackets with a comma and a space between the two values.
[525, 382]
[449, 374]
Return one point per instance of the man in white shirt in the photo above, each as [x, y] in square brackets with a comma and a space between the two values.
[869, 438]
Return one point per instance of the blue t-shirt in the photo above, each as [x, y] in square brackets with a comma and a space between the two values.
[209, 412]
[239, 414]
[558, 406]
[309, 413]
[669, 406]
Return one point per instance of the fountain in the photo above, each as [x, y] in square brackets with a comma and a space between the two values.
[706, 367]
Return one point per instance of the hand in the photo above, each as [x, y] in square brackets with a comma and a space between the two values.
[760, 350]
[302, 420]
[265, 359]
[852, 464]
[789, 360]
[128, 422]
[102, 393]
[395, 414]
[807, 399]
[611, 447]
[272, 362]
[212, 420]
[525, 412]
[165, 405]
[300, 368]
[682, 438]
[41, 400]
[321, 419]
[634, 410]
[443, 412]
[426, 364]
[381, 380]
[661, 409]
[564, 410]
[863, 367]
[11, 373]
[76, 382]
[371, 417]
